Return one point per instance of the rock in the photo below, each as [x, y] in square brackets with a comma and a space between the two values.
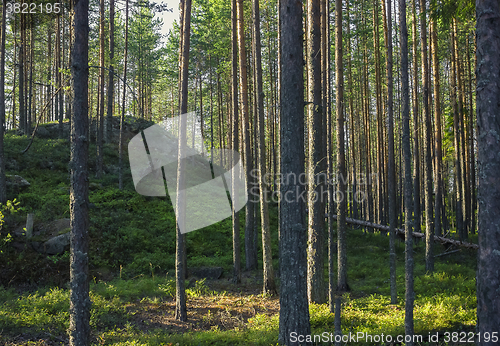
[56, 245]
[211, 273]
[16, 181]
[42, 132]
[53, 228]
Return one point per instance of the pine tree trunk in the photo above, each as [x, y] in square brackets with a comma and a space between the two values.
[235, 142]
[391, 174]
[269, 284]
[409, 296]
[180, 247]
[428, 178]
[250, 250]
[79, 328]
[316, 160]
[100, 114]
[488, 122]
[109, 118]
[294, 308]
[437, 129]
[122, 117]
[416, 125]
[3, 196]
[457, 140]
[342, 285]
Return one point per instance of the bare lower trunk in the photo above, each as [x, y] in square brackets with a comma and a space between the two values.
[79, 329]
[488, 122]
[294, 308]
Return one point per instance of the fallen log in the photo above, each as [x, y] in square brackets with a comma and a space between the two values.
[399, 231]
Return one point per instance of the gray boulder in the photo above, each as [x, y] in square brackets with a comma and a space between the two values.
[56, 245]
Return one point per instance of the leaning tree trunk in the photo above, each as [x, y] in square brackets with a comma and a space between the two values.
[294, 307]
[488, 122]
[79, 328]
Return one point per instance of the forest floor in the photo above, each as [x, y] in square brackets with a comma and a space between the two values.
[132, 246]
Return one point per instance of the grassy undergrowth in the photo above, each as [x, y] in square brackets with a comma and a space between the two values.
[140, 311]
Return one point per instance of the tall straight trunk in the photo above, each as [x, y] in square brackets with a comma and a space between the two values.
[457, 141]
[416, 125]
[79, 311]
[378, 102]
[3, 195]
[429, 229]
[180, 247]
[391, 174]
[342, 285]
[409, 296]
[471, 147]
[100, 114]
[316, 160]
[462, 131]
[267, 258]
[325, 71]
[22, 109]
[250, 250]
[59, 99]
[235, 141]
[352, 133]
[48, 93]
[294, 307]
[111, 89]
[488, 122]
[122, 117]
[31, 101]
[438, 152]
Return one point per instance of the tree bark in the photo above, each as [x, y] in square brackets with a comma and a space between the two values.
[409, 296]
[342, 285]
[457, 141]
[488, 122]
[79, 328]
[294, 308]
[235, 140]
[269, 284]
[438, 152]
[429, 229]
[3, 195]
[180, 246]
[122, 117]
[111, 86]
[316, 159]
[391, 174]
[100, 114]
[250, 250]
